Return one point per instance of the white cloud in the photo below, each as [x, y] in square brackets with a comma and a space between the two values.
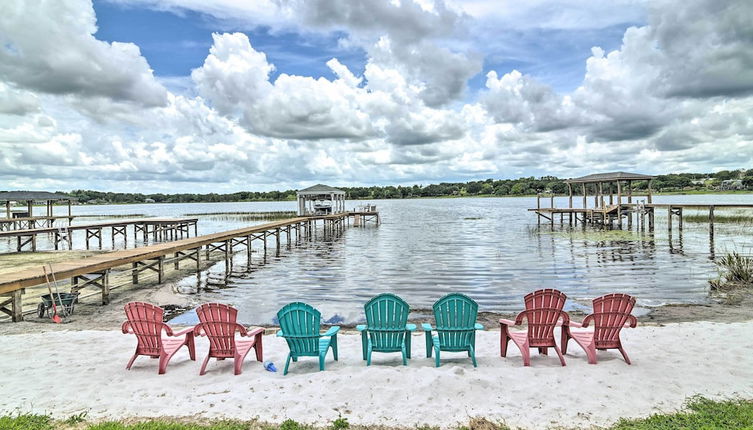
[50, 47]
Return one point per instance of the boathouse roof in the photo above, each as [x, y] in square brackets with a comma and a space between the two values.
[610, 177]
[32, 195]
[320, 189]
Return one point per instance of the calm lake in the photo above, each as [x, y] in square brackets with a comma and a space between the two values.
[488, 248]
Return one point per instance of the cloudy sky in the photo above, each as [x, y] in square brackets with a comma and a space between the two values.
[228, 95]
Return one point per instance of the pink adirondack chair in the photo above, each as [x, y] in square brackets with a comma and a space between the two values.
[145, 321]
[218, 323]
[611, 313]
[543, 311]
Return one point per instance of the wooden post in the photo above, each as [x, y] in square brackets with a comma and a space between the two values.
[651, 219]
[601, 196]
[12, 305]
[106, 287]
[160, 269]
[7, 209]
[649, 191]
[711, 222]
[585, 197]
[551, 201]
[69, 212]
[619, 204]
[134, 273]
[679, 216]
[669, 219]
[277, 242]
[265, 246]
[30, 207]
[248, 249]
[570, 201]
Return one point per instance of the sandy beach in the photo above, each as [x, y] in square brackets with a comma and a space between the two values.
[67, 372]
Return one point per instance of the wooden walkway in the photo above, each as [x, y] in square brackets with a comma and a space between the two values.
[157, 228]
[94, 271]
[7, 224]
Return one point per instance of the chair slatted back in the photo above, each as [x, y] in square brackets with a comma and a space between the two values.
[386, 316]
[543, 309]
[300, 324]
[455, 316]
[146, 322]
[218, 322]
[609, 315]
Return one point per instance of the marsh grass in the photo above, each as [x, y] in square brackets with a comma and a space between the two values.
[600, 235]
[244, 216]
[111, 216]
[722, 216]
[735, 273]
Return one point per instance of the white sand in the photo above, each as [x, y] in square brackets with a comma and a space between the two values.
[63, 373]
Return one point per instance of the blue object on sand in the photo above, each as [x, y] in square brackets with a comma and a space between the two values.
[269, 366]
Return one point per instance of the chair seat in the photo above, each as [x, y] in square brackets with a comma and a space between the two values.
[582, 336]
[172, 344]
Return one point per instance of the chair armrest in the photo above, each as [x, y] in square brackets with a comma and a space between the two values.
[126, 327]
[410, 327]
[426, 327]
[633, 321]
[572, 323]
[332, 331]
[279, 333]
[255, 331]
[478, 326]
[183, 332]
[361, 327]
[506, 321]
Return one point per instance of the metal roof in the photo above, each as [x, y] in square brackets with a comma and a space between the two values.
[610, 177]
[33, 195]
[320, 189]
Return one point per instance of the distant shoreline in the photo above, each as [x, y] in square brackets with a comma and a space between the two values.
[666, 193]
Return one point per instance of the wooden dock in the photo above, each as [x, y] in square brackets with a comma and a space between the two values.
[157, 228]
[93, 272]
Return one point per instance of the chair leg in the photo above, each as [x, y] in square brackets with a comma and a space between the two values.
[204, 366]
[559, 353]
[526, 353]
[259, 347]
[472, 354]
[565, 338]
[429, 344]
[130, 362]
[436, 357]
[368, 354]
[191, 344]
[238, 365]
[287, 363]
[333, 344]
[504, 339]
[163, 360]
[408, 342]
[405, 359]
[322, 357]
[543, 351]
[624, 355]
[364, 340]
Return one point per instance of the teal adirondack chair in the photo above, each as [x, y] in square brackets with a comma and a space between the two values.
[455, 316]
[386, 328]
[300, 325]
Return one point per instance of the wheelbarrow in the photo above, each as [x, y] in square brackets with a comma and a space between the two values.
[66, 299]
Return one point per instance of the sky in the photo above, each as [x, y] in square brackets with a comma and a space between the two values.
[229, 95]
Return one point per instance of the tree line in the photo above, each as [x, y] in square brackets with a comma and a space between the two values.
[487, 187]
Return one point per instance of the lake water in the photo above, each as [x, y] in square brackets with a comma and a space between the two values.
[488, 248]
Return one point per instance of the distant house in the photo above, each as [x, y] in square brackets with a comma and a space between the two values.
[732, 184]
[699, 181]
[148, 200]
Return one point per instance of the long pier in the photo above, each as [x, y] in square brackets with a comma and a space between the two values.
[94, 271]
[157, 228]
